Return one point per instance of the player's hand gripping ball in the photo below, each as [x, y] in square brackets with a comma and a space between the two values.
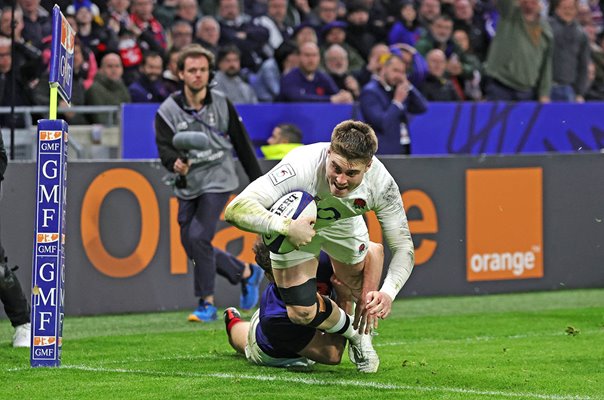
[293, 205]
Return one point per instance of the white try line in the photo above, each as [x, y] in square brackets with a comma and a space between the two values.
[322, 382]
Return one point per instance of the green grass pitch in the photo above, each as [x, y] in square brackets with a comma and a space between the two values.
[545, 345]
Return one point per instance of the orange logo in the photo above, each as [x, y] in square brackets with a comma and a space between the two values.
[50, 135]
[67, 35]
[504, 224]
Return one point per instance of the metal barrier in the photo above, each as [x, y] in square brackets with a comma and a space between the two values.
[84, 141]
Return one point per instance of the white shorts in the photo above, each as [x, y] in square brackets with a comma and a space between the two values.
[255, 355]
[346, 241]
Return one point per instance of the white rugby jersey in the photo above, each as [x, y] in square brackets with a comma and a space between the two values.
[304, 168]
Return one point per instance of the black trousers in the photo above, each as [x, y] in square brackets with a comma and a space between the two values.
[15, 303]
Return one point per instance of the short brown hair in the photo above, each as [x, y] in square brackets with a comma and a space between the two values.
[354, 140]
[194, 51]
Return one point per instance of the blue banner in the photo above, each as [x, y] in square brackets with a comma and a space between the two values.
[61, 60]
[48, 278]
[508, 128]
[446, 128]
[315, 120]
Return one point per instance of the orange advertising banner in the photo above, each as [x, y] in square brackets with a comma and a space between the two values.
[504, 224]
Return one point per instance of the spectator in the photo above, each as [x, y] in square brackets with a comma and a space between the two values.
[386, 103]
[108, 87]
[596, 87]
[28, 58]
[372, 67]
[130, 52]
[275, 22]
[196, 131]
[15, 303]
[237, 28]
[519, 63]
[142, 17]
[474, 25]
[149, 88]
[428, 11]
[23, 95]
[571, 54]
[305, 33]
[181, 34]
[117, 17]
[415, 63]
[188, 11]
[440, 36]
[37, 22]
[207, 33]
[170, 75]
[165, 12]
[597, 17]
[228, 80]
[99, 39]
[360, 33]
[266, 82]
[471, 87]
[336, 64]
[283, 139]
[437, 87]
[407, 29]
[335, 33]
[307, 84]
[324, 13]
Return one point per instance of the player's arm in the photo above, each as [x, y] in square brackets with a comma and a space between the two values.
[249, 210]
[372, 275]
[395, 227]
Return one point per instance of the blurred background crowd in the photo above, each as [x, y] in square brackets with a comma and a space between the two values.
[312, 50]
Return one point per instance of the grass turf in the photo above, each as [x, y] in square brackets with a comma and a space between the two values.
[546, 345]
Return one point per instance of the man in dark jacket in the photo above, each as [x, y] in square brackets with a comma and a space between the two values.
[386, 102]
[11, 293]
[149, 88]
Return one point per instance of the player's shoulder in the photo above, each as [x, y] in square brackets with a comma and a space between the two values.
[308, 152]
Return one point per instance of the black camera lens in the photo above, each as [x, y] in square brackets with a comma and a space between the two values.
[181, 182]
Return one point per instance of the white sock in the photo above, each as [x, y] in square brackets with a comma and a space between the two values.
[344, 327]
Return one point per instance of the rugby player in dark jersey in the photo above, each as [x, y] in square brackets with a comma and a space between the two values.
[271, 339]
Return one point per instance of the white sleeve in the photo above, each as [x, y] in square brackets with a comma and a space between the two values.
[249, 210]
[393, 220]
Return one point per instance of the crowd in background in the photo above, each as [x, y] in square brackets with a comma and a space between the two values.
[311, 50]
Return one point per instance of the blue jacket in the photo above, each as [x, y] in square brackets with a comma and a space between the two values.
[145, 91]
[385, 117]
[296, 88]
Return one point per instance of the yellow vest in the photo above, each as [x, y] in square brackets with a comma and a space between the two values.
[278, 151]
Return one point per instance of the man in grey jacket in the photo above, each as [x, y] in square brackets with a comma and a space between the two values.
[196, 131]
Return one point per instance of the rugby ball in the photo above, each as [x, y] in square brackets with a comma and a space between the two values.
[292, 205]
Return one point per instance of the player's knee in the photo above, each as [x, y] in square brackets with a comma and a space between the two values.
[300, 315]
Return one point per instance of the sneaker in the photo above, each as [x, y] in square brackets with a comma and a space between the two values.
[22, 336]
[363, 355]
[203, 313]
[250, 288]
[231, 316]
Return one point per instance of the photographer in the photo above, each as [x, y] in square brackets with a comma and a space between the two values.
[196, 131]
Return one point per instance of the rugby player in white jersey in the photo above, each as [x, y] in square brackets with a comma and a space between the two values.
[347, 180]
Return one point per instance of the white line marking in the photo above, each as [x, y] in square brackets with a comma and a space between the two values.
[478, 338]
[321, 382]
